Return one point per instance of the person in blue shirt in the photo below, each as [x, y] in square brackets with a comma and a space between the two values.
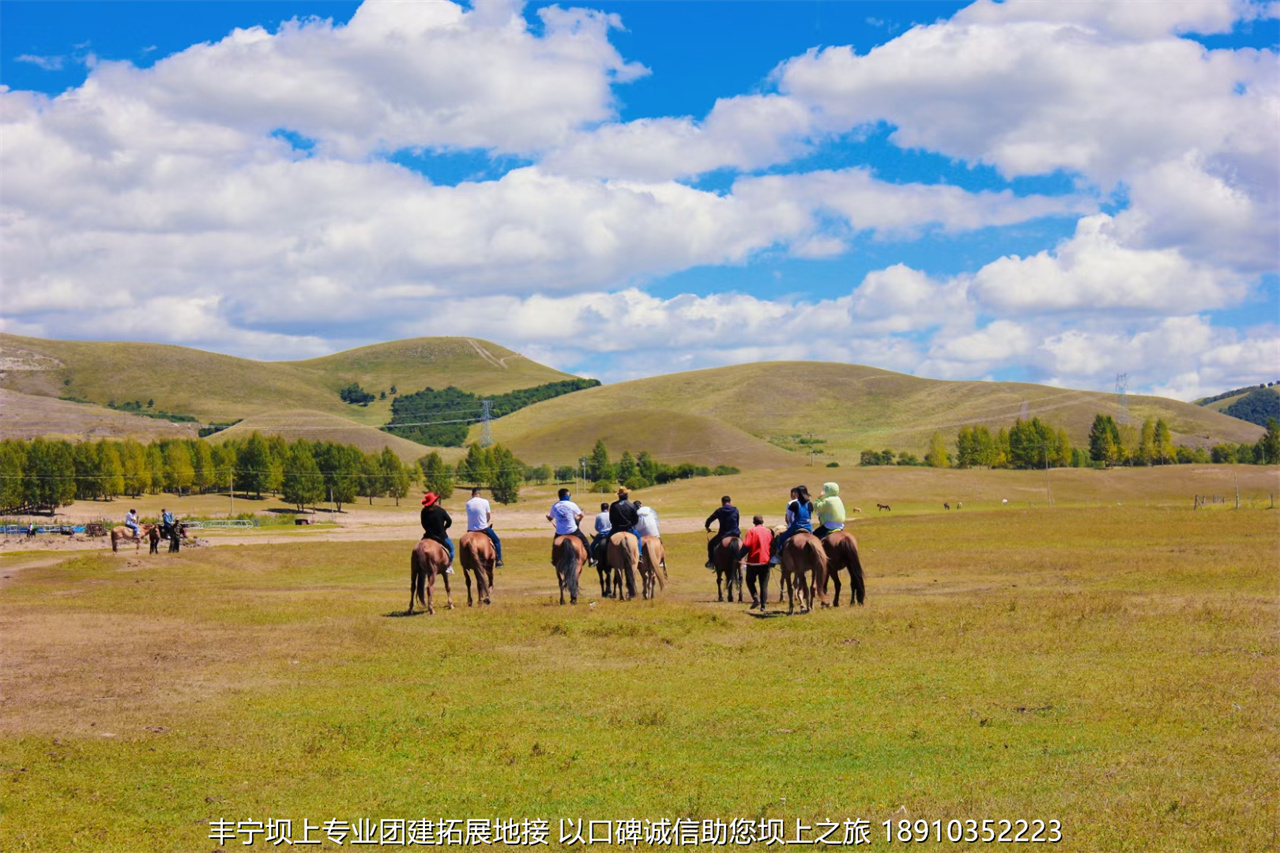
[799, 517]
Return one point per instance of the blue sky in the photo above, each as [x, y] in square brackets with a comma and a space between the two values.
[1022, 190]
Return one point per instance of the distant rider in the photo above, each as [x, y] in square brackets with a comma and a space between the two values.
[602, 532]
[131, 522]
[435, 524]
[623, 515]
[727, 518]
[647, 525]
[479, 518]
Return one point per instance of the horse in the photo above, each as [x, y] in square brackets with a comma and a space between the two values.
[882, 506]
[429, 560]
[477, 555]
[728, 567]
[624, 554]
[569, 555]
[120, 533]
[177, 532]
[153, 538]
[946, 506]
[804, 568]
[842, 553]
[652, 557]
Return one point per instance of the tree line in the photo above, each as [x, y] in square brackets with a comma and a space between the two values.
[1035, 444]
[440, 418]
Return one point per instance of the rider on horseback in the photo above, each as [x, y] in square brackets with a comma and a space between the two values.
[565, 514]
[799, 515]
[647, 525]
[131, 522]
[435, 523]
[830, 510]
[602, 534]
[479, 518]
[623, 516]
[727, 517]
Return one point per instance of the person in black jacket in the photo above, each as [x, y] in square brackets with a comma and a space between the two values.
[727, 517]
[623, 515]
[435, 523]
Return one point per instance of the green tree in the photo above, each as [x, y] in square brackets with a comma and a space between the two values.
[476, 467]
[302, 484]
[1145, 453]
[1164, 449]
[341, 465]
[505, 475]
[13, 464]
[1270, 443]
[202, 477]
[436, 475]
[599, 468]
[224, 464]
[937, 457]
[564, 474]
[133, 458]
[112, 470]
[50, 474]
[253, 465]
[88, 462]
[1104, 440]
[179, 473]
[626, 468]
[395, 475]
[155, 468]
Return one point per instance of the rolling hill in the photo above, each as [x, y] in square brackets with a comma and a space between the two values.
[850, 407]
[322, 426]
[220, 388]
[25, 416]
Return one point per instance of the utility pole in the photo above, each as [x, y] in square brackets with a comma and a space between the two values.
[1122, 388]
[231, 479]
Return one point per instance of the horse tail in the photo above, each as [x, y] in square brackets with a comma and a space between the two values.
[855, 570]
[568, 566]
[418, 576]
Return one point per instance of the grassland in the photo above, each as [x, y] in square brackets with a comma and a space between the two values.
[221, 388]
[26, 416]
[314, 426]
[850, 407]
[1113, 667]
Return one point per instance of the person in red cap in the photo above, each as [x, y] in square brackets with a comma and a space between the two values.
[436, 523]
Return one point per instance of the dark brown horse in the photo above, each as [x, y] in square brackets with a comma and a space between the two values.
[477, 555]
[804, 570]
[569, 556]
[842, 553]
[428, 561]
[728, 567]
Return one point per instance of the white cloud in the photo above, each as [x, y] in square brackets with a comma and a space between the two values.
[1094, 271]
[1136, 20]
[48, 63]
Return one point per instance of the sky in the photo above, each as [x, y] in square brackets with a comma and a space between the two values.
[1033, 191]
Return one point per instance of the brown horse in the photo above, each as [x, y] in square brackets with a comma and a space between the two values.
[842, 553]
[123, 534]
[728, 567]
[804, 569]
[569, 556]
[428, 561]
[477, 555]
[652, 558]
[624, 556]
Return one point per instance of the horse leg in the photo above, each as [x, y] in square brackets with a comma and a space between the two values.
[466, 575]
[835, 579]
[413, 582]
[488, 588]
[448, 593]
[719, 586]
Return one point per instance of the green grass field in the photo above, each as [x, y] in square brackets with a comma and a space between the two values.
[1110, 667]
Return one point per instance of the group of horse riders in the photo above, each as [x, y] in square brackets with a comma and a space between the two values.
[168, 527]
[800, 513]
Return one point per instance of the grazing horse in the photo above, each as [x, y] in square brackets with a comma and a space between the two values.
[477, 555]
[728, 567]
[119, 534]
[882, 506]
[842, 553]
[652, 557]
[624, 556]
[804, 569]
[946, 506]
[429, 560]
[569, 556]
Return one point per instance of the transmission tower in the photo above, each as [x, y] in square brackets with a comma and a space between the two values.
[1122, 389]
[486, 431]
[1025, 411]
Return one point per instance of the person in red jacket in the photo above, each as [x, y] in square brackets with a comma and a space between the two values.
[758, 541]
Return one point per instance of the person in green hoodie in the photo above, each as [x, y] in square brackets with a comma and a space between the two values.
[830, 511]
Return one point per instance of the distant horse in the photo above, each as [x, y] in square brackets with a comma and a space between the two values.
[804, 570]
[842, 553]
[177, 533]
[153, 538]
[477, 555]
[724, 557]
[569, 556]
[121, 534]
[429, 561]
[882, 506]
[608, 588]
[624, 556]
[946, 506]
[652, 568]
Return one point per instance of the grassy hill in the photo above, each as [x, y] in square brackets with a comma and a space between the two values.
[216, 387]
[25, 416]
[322, 426]
[851, 407]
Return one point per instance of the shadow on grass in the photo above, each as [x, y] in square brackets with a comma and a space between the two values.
[400, 614]
[769, 614]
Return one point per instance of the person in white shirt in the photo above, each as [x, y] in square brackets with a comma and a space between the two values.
[479, 518]
[566, 515]
[648, 523]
